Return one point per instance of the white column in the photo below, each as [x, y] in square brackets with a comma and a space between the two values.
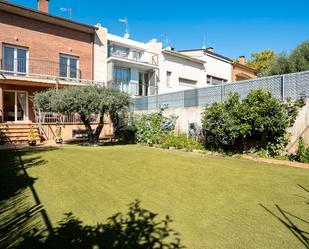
[1, 105]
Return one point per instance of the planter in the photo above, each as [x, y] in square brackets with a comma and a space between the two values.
[31, 142]
[59, 141]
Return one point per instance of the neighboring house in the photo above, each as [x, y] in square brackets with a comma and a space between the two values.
[39, 51]
[243, 72]
[129, 65]
[143, 69]
[218, 67]
[180, 72]
[221, 69]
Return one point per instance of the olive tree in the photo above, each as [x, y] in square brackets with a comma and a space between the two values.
[85, 101]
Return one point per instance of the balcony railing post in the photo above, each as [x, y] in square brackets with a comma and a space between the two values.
[282, 88]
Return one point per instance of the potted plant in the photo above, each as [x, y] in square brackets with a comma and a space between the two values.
[31, 137]
[58, 138]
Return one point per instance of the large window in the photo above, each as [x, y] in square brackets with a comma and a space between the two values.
[122, 78]
[215, 80]
[15, 59]
[69, 67]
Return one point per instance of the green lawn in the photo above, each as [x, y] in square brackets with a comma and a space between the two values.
[215, 202]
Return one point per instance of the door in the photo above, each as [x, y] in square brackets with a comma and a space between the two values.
[15, 106]
[143, 83]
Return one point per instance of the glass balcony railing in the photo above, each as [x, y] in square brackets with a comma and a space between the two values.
[133, 54]
[133, 89]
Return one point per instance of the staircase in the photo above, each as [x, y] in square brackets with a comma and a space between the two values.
[17, 133]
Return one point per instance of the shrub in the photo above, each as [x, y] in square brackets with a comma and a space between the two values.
[302, 153]
[152, 128]
[181, 141]
[257, 122]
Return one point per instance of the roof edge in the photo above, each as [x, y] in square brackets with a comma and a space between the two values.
[186, 57]
[45, 17]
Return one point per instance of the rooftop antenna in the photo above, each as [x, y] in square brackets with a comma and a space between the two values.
[166, 42]
[126, 23]
[204, 42]
[68, 10]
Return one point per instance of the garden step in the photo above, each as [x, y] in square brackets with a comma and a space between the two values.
[17, 133]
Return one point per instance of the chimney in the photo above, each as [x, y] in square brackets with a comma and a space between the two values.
[210, 49]
[43, 5]
[242, 60]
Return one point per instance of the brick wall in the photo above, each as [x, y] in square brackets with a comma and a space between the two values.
[46, 41]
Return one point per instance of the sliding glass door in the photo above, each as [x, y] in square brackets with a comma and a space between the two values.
[15, 106]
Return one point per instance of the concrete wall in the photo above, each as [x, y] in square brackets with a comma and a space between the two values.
[193, 115]
[180, 68]
[67, 130]
[299, 129]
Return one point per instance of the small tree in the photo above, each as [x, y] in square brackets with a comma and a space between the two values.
[85, 101]
[296, 61]
[261, 61]
[259, 121]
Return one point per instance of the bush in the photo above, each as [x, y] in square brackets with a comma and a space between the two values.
[152, 128]
[181, 141]
[302, 153]
[257, 122]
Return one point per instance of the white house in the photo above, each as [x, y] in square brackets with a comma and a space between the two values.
[219, 68]
[143, 69]
[128, 65]
[180, 72]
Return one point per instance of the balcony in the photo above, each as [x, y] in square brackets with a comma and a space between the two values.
[134, 89]
[133, 55]
[41, 69]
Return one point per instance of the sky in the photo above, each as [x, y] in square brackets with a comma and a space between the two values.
[233, 28]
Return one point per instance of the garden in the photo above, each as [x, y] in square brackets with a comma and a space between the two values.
[153, 188]
[213, 201]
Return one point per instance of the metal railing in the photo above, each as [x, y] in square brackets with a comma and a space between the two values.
[132, 88]
[133, 55]
[38, 68]
[51, 118]
[294, 86]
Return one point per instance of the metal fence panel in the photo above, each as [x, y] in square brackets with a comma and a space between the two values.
[174, 99]
[295, 85]
[190, 98]
[209, 95]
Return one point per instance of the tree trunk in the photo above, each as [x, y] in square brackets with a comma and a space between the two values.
[99, 128]
[115, 123]
[87, 125]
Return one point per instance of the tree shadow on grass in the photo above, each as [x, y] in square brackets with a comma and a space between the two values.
[298, 226]
[138, 229]
[20, 207]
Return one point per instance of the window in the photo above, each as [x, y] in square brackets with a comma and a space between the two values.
[187, 81]
[215, 80]
[15, 59]
[168, 79]
[118, 51]
[122, 78]
[69, 67]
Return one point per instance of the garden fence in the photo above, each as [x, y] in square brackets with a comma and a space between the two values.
[294, 86]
